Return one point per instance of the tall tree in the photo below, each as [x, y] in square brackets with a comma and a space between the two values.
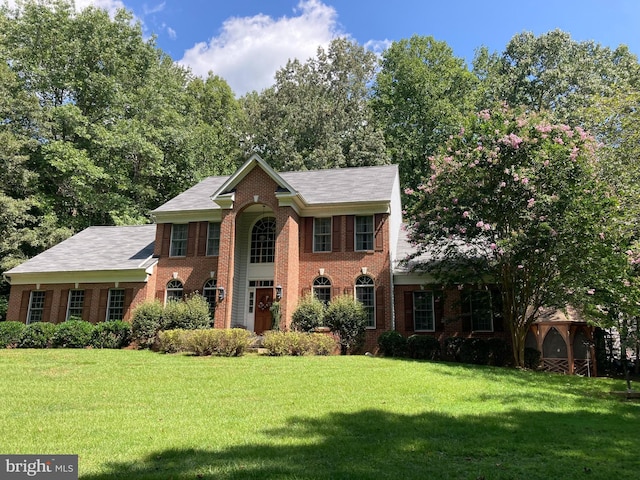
[421, 95]
[516, 199]
[317, 114]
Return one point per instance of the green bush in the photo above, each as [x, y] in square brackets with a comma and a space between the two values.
[532, 358]
[112, 334]
[38, 335]
[188, 314]
[73, 334]
[452, 348]
[211, 341]
[146, 322]
[474, 350]
[172, 341]
[346, 317]
[308, 314]
[276, 315]
[323, 344]
[499, 352]
[10, 333]
[392, 344]
[423, 347]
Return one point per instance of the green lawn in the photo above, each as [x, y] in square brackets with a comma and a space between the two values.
[137, 414]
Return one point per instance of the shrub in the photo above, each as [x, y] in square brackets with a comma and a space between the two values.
[172, 341]
[73, 334]
[112, 334]
[308, 314]
[474, 350]
[189, 314]
[276, 315]
[392, 344]
[346, 317]
[287, 343]
[38, 335]
[424, 347]
[499, 352]
[10, 333]
[233, 342]
[323, 344]
[452, 348]
[146, 322]
[532, 358]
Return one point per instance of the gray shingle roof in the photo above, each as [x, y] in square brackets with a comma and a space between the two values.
[96, 248]
[317, 187]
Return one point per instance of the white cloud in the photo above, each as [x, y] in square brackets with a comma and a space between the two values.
[111, 6]
[249, 50]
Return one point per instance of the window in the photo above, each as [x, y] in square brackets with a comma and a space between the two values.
[76, 300]
[322, 289]
[115, 306]
[263, 241]
[210, 292]
[477, 304]
[36, 307]
[179, 233]
[423, 312]
[364, 233]
[322, 234]
[365, 295]
[174, 290]
[213, 239]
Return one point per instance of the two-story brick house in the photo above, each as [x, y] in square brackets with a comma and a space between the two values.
[248, 239]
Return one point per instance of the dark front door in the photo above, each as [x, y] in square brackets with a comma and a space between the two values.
[262, 319]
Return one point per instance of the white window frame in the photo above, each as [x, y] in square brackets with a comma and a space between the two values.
[213, 239]
[36, 308]
[322, 283]
[71, 303]
[365, 236]
[325, 236]
[179, 237]
[210, 294]
[174, 290]
[370, 308]
[112, 306]
[427, 311]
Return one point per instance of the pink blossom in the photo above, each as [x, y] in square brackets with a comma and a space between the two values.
[503, 184]
[513, 140]
[484, 115]
[520, 267]
[480, 224]
[574, 153]
[493, 246]
[601, 235]
[531, 202]
[591, 291]
[525, 180]
[465, 214]
[546, 163]
[408, 191]
[455, 201]
[543, 128]
[559, 141]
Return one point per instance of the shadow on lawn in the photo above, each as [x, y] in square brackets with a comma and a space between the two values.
[376, 444]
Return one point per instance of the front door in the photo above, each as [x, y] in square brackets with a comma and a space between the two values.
[262, 319]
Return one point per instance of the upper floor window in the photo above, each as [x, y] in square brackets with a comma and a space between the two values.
[213, 239]
[174, 290]
[36, 306]
[76, 301]
[322, 234]
[322, 289]
[263, 241]
[365, 294]
[477, 304]
[115, 305]
[209, 292]
[423, 312]
[364, 232]
[179, 234]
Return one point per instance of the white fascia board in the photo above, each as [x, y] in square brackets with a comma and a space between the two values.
[139, 275]
[355, 208]
[185, 216]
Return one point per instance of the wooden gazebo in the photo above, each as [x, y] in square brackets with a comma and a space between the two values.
[565, 342]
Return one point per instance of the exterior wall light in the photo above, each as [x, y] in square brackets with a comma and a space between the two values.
[278, 292]
[221, 294]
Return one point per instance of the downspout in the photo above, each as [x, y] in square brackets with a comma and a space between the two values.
[393, 293]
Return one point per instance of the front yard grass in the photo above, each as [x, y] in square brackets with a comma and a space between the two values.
[142, 415]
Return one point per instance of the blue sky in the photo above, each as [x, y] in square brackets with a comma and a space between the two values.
[246, 41]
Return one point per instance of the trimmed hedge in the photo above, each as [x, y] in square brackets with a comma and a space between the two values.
[423, 347]
[299, 343]
[392, 344]
[73, 334]
[213, 341]
[38, 335]
[111, 334]
[10, 333]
